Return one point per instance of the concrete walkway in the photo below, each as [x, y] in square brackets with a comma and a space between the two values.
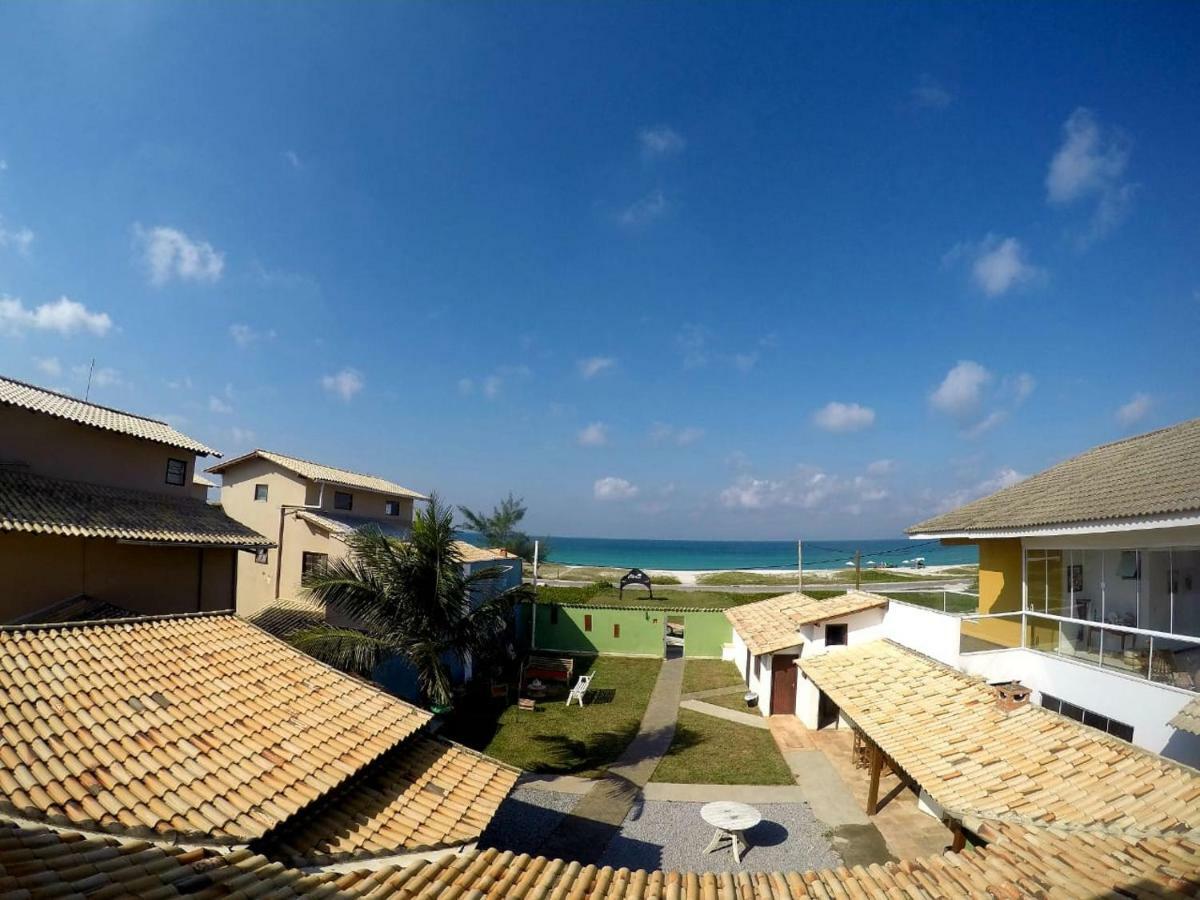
[715, 692]
[584, 834]
[750, 720]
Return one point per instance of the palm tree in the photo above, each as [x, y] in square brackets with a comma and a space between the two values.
[409, 598]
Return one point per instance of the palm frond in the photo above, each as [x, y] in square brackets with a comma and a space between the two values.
[344, 648]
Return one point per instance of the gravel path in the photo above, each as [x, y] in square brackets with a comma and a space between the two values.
[669, 835]
[525, 818]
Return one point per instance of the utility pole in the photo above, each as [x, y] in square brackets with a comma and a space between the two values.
[91, 369]
[800, 567]
[857, 569]
[533, 610]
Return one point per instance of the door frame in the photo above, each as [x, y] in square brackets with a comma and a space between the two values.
[793, 674]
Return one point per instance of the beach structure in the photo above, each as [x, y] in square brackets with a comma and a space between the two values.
[101, 513]
[1089, 587]
[769, 636]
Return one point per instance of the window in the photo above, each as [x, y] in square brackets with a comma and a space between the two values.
[260, 492]
[1087, 717]
[836, 635]
[260, 556]
[343, 500]
[553, 615]
[312, 562]
[176, 471]
[391, 507]
[587, 623]
[616, 629]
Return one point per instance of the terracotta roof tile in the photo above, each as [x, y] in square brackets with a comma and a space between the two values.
[1028, 766]
[52, 403]
[287, 616]
[775, 623]
[425, 794]
[40, 505]
[318, 473]
[1188, 718]
[35, 862]
[201, 728]
[1148, 475]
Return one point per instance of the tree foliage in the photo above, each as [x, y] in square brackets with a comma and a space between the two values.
[411, 599]
[500, 528]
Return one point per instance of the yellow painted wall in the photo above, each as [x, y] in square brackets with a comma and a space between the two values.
[57, 448]
[42, 570]
[999, 591]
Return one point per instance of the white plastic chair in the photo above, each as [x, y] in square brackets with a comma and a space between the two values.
[581, 687]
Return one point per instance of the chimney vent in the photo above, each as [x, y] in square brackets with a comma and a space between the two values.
[1011, 695]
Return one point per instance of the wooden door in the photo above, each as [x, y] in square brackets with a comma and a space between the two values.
[783, 685]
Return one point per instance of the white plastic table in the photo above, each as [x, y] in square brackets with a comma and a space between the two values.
[730, 820]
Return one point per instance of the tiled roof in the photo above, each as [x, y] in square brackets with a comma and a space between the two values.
[1188, 718]
[1029, 766]
[286, 616]
[201, 481]
[775, 623]
[51, 403]
[76, 609]
[317, 472]
[35, 863]
[1148, 475]
[427, 793]
[342, 524]
[200, 729]
[472, 554]
[40, 505]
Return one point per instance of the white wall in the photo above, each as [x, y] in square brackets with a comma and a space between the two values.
[925, 630]
[1148, 707]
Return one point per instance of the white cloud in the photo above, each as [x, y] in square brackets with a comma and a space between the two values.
[807, 487]
[642, 212]
[49, 365]
[169, 254]
[881, 467]
[660, 141]
[1135, 410]
[64, 316]
[594, 365]
[217, 405]
[100, 378]
[1003, 477]
[20, 239]
[613, 488]
[293, 159]
[491, 386]
[593, 435]
[243, 335]
[841, 417]
[344, 384]
[996, 264]
[1021, 386]
[466, 386]
[693, 343]
[961, 391]
[662, 433]
[931, 94]
[986, 424]
[744, 362]
[243, 436]
[1090, 164]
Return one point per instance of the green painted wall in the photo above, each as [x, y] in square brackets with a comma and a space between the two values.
[641, 630]
[704, 633]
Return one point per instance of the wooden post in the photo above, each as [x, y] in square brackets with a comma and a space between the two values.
[876, 770]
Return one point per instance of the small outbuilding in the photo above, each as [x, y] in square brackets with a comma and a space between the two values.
[770, 636]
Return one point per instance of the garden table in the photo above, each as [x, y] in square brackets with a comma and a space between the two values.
[730, 820]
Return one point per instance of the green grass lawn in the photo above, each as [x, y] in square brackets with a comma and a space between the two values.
[955, 603]
[558, 739]
[818, 576]
[555, 572]
[707, 674]
[707, 750]
[732, 701]
[606, 595]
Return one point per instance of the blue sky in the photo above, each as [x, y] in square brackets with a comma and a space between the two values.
[666, 270]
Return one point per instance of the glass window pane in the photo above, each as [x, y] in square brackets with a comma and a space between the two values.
[1185, 577]
[1035, 582]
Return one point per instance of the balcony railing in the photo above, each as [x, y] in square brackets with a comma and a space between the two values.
[1169, 659]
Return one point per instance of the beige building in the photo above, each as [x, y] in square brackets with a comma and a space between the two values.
[100, 514]
[307, 508]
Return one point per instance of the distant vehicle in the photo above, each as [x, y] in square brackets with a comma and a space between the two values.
[919, 562]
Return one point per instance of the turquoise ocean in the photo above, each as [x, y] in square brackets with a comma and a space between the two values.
[699, 555]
